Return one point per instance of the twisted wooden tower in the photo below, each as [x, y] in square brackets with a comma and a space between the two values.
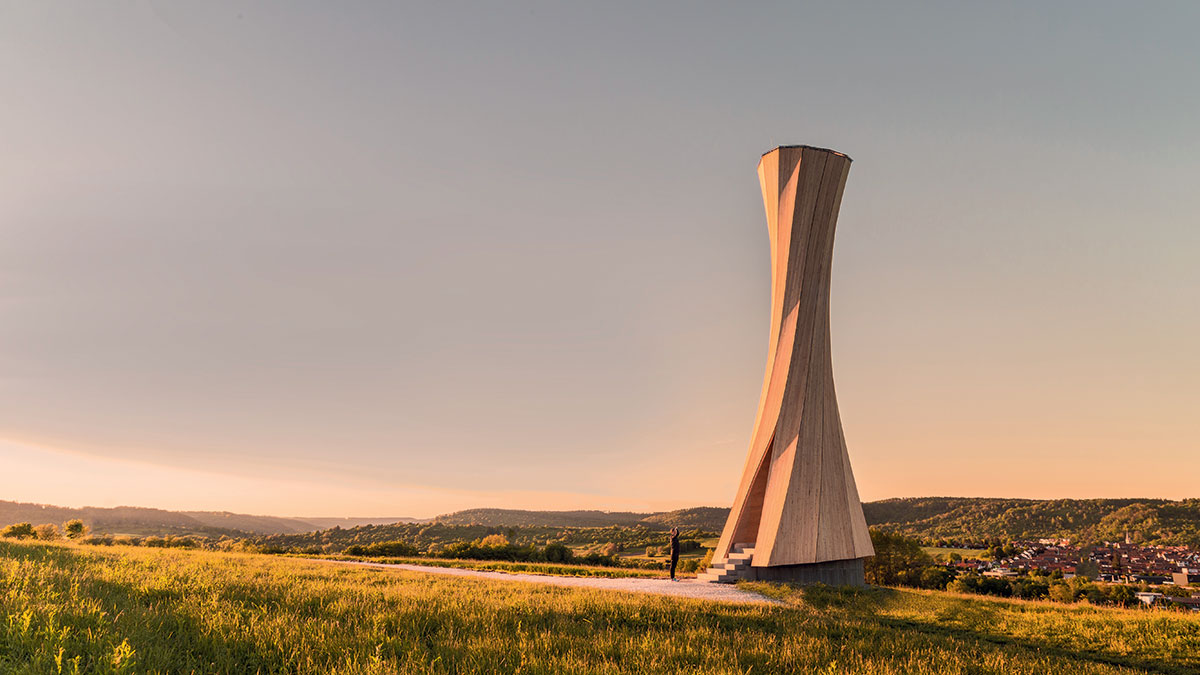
[797, 515]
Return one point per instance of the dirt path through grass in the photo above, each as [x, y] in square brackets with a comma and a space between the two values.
[687, 588]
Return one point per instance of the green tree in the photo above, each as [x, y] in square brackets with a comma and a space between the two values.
[936, 577]
[556, 552]
[74, 528]
[1122, 595]
[1061, 592]
[19, 531]
[494, 541]
[1087, 569]
[898, 559]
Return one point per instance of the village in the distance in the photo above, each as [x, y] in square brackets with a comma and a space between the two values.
[1167, 569]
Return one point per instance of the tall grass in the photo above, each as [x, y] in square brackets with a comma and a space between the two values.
[552, 569]
[70, 609]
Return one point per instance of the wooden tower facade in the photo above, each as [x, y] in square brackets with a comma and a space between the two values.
[797, 514]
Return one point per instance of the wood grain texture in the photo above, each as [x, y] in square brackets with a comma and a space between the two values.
[797, 502]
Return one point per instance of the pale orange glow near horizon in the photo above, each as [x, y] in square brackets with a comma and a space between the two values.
[44, 476]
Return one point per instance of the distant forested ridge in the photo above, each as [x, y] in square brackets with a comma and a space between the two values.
[707, 518]
[970, 521]
[967, 521]
[976, 521]
[142, 521]
[522, 518]
[433, 537]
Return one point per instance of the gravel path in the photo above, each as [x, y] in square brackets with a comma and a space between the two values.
[687, 588]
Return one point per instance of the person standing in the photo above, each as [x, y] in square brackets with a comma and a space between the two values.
[674, 551]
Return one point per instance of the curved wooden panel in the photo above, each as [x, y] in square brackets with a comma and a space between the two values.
[797, 502]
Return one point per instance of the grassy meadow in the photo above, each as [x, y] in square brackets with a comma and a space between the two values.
[553, 569]
[73, 609]
[943, 554]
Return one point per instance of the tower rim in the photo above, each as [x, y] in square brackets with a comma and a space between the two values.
[809, 147]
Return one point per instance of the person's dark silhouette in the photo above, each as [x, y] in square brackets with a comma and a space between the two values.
[674, 551]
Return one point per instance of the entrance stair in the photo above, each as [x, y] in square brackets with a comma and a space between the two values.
[732, 569]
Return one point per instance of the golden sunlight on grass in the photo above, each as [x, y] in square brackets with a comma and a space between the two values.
[167, 611]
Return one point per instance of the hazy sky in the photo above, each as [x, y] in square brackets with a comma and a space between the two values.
[361, 259]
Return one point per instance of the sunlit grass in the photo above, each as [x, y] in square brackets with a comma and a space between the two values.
[943, 554]
[553, 569]
[173, 611]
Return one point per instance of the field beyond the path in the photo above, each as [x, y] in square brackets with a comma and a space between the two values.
[66, 608]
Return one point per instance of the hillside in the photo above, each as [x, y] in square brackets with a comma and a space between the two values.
[707, 518]
[974, 520]
[143, 521]
[326, 523]
[436, 535]
[963, 520]
[968, 521]
[710, 519]
[521, 518]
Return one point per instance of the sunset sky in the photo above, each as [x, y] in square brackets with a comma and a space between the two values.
[356, 259]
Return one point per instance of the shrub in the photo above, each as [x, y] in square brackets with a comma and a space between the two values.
[385, 548]
[936, 577]
[47, 531]
[1030, 589]
[19, 531]
[595, 559]
[1061, 592]
[974, 583]
[1095, 595]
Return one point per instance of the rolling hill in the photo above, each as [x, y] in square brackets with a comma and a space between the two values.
[707, 518]
[973, 520]
[136, 520]
[969, 521]
[966, 520]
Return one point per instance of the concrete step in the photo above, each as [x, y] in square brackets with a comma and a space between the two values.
[723, 575]
[732, 568]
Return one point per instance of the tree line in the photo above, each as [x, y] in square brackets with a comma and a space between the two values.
[71, 529]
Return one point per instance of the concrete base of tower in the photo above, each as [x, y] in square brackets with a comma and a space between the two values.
[830, 573]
